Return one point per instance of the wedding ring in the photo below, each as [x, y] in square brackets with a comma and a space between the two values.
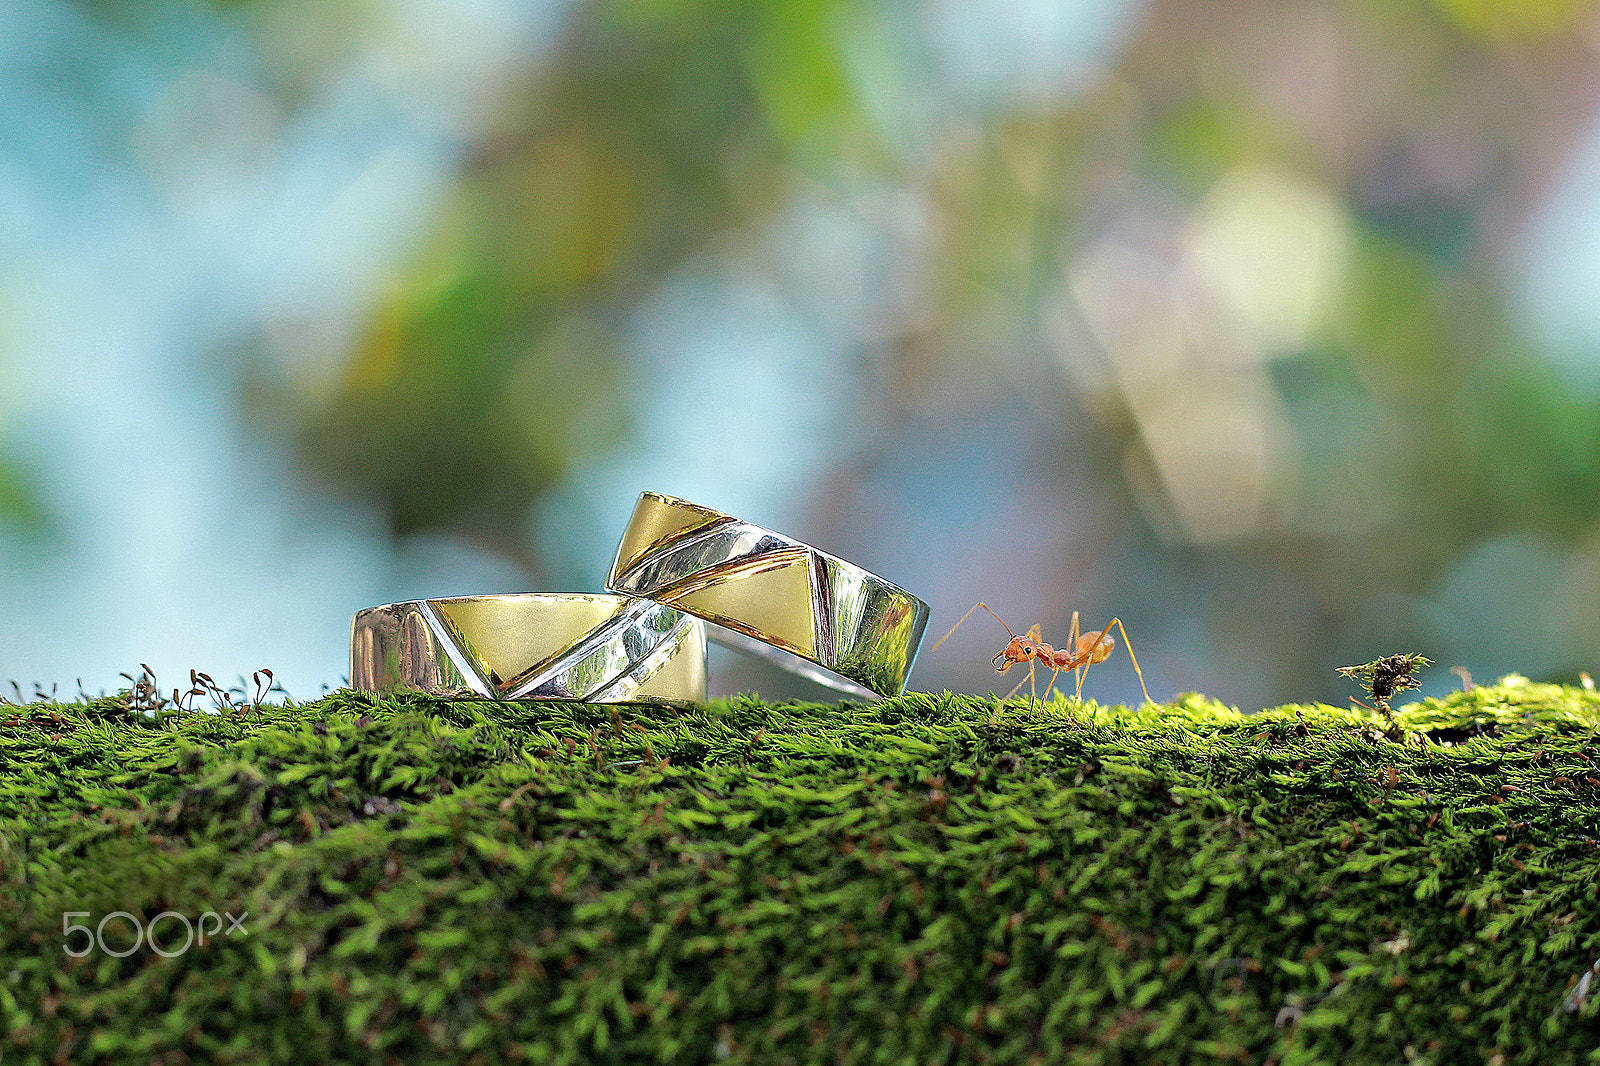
[539, 646]
[806, 610]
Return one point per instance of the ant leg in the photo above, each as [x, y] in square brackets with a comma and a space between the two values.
[1084, 664]
[1032, 692]
[1129, 645]
[1081, 667]
[1072, 642]
[1055, 672]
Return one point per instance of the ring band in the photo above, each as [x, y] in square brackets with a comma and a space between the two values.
[538, 646]
[806, 610]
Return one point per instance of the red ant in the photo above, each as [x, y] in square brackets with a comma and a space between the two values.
[1087, 650]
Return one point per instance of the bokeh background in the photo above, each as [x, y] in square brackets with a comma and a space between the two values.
[1270, 326]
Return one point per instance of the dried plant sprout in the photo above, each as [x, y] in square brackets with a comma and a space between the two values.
[143, 694]
[1386, 678]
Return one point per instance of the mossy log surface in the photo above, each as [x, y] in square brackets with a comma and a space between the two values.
[930, 879]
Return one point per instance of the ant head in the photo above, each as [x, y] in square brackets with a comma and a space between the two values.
[1020, 650]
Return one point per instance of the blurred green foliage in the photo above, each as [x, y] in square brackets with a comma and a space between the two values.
[20, 504]
[1246, 272]
[494, 359]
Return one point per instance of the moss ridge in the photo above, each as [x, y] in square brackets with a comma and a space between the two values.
[936, 878]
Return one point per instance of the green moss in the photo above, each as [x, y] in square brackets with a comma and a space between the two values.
[930, 879]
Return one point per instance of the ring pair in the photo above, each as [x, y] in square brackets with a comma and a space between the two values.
[678, 567]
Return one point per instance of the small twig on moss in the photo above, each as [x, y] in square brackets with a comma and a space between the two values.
[1387, 677]
[204, 685]
[262, 688]
[143, 695]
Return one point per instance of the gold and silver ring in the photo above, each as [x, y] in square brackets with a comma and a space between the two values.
[538, 646]
[678, 567]
[808, 611]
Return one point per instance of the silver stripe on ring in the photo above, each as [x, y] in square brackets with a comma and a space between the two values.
[612, 659]
[859, 635]
[413, 645]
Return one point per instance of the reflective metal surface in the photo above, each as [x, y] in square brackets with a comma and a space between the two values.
[601, 649]
[804, 609]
